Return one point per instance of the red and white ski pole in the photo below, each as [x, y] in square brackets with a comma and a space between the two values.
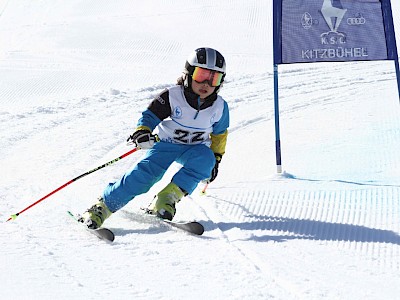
[14, 216]
[203, 191]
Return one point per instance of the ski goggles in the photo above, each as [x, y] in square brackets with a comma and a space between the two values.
[213, 78]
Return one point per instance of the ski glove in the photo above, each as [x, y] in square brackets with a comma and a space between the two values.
[142, 138]
[214, 171]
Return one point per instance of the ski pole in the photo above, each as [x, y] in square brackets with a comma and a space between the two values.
[13, 217]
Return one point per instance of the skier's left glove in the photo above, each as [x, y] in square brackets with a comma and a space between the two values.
[214, 171]
[142, 138]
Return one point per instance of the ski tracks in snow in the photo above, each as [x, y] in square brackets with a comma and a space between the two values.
[224, 227]
[358, 227]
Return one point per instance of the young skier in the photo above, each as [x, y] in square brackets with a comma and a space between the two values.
[190, 122]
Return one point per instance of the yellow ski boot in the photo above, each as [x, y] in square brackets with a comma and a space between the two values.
[95, 216]
[164, 203]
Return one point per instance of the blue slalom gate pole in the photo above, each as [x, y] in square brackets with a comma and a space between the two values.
[277, 127]
[277, 12]
[391, 38]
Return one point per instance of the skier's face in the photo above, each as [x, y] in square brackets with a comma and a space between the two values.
[202, 89]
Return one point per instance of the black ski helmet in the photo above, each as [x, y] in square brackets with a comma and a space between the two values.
[206, 58]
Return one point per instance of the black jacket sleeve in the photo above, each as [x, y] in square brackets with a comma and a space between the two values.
[160, 105]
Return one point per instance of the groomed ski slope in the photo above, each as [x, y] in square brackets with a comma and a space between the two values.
[74, 79]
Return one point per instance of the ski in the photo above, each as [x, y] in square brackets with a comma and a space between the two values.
[192, 227]
[102, 232]
[106, 234]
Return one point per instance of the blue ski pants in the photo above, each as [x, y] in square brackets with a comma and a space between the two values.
[197, 163]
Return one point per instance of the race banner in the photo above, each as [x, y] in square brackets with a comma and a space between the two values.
[333, 30]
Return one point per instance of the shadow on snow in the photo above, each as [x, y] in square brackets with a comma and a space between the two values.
[309, 229]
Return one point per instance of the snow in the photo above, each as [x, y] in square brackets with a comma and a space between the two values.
[75, 76]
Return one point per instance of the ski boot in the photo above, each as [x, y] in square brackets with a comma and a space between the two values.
[94, 217]
[163, 204]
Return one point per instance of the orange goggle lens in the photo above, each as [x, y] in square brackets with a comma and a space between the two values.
[213, 78]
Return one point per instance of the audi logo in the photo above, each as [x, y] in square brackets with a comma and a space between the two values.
[356, 21]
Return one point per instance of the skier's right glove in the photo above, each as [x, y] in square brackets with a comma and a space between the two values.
[214, 171]
[142, 138]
